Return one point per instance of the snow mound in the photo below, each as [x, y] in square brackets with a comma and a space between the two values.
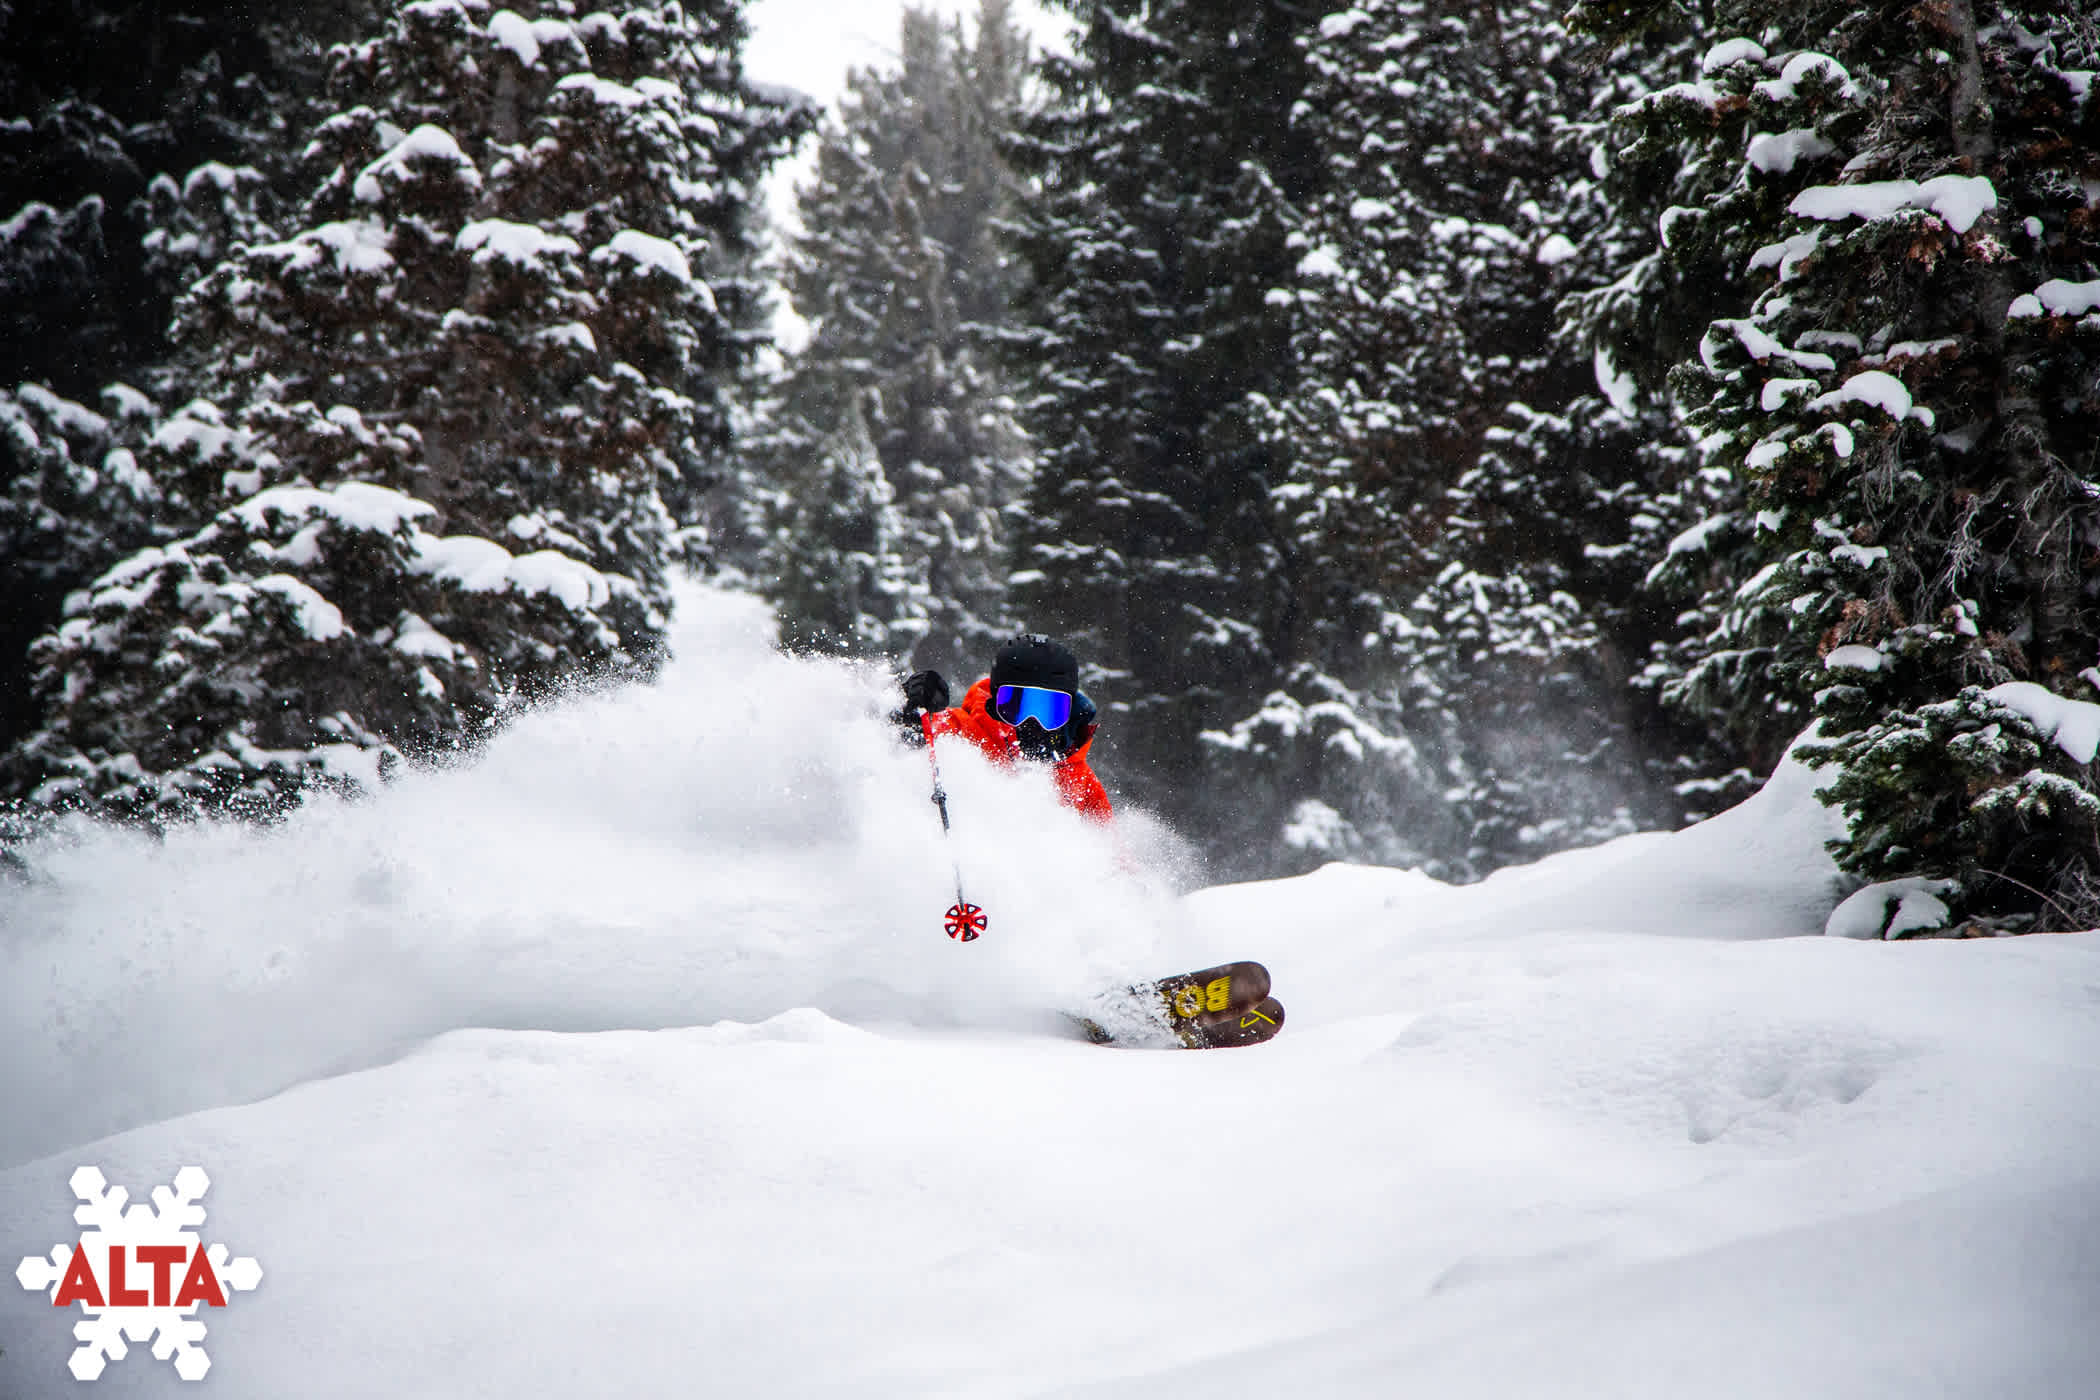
[653, 996]
[1890, 909]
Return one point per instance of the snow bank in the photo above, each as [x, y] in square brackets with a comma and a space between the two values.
[1890, 909]
[630, 1058]
[1759, 870]
[1787, 1167]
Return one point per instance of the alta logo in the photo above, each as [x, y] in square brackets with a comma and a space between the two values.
[139, 1273]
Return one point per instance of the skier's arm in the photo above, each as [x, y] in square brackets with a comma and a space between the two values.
[925, 695]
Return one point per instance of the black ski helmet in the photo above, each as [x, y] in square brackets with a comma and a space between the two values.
[1030, 659]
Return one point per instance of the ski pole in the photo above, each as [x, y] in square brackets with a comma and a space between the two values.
[965, 922]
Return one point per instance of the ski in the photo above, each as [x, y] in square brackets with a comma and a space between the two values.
[1203, 998]
[1252, 1026]
[1215, 1008]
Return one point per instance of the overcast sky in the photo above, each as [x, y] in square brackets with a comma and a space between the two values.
[809, 44]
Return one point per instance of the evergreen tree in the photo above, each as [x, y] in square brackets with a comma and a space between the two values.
[1909, 408]
[902, 274]
[1170, 177]
[104, 110]
[440, 422]
[839, 569]
[1471, 493]
[137, 142]
[75, 501]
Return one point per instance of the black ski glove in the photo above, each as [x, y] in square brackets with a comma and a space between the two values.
[924, 691]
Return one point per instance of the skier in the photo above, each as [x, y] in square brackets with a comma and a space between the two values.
[1029, 707]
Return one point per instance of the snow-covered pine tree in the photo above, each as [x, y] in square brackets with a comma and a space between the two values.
[1675, 150]
[440, 421]
[1910, 404]
[840, 568]
[103, 108]
[137, 142]
[1469, 496]
[75, 502]
[1612, 475]
[1169, 176]
[902, 275]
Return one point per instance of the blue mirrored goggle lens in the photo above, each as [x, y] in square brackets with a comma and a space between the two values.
[1017, 703]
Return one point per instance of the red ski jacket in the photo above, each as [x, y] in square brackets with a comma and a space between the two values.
[973, 720]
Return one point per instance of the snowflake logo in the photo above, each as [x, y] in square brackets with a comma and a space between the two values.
[139, 1273]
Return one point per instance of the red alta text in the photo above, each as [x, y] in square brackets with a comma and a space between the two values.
[127, 1272]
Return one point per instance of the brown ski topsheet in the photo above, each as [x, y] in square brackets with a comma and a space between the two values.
[1205, 998]
[1252, 1026]
[1218, 1007]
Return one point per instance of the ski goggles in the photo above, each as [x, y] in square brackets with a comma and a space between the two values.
[1016, 704]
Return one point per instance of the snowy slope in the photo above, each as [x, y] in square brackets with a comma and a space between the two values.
[630, 1060]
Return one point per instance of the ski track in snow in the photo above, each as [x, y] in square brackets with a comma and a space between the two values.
[630, 1060]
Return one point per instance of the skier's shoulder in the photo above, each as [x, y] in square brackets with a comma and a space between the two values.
[977, 700]
[971, 719]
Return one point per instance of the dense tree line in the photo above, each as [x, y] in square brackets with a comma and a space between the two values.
[1448, 433]
[1462, 431]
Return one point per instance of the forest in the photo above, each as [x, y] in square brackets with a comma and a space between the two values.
[1447, 433]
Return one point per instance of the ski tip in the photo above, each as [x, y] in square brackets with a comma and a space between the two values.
[1256, 1025]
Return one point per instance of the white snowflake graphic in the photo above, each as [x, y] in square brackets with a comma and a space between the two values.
[170, 1220]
